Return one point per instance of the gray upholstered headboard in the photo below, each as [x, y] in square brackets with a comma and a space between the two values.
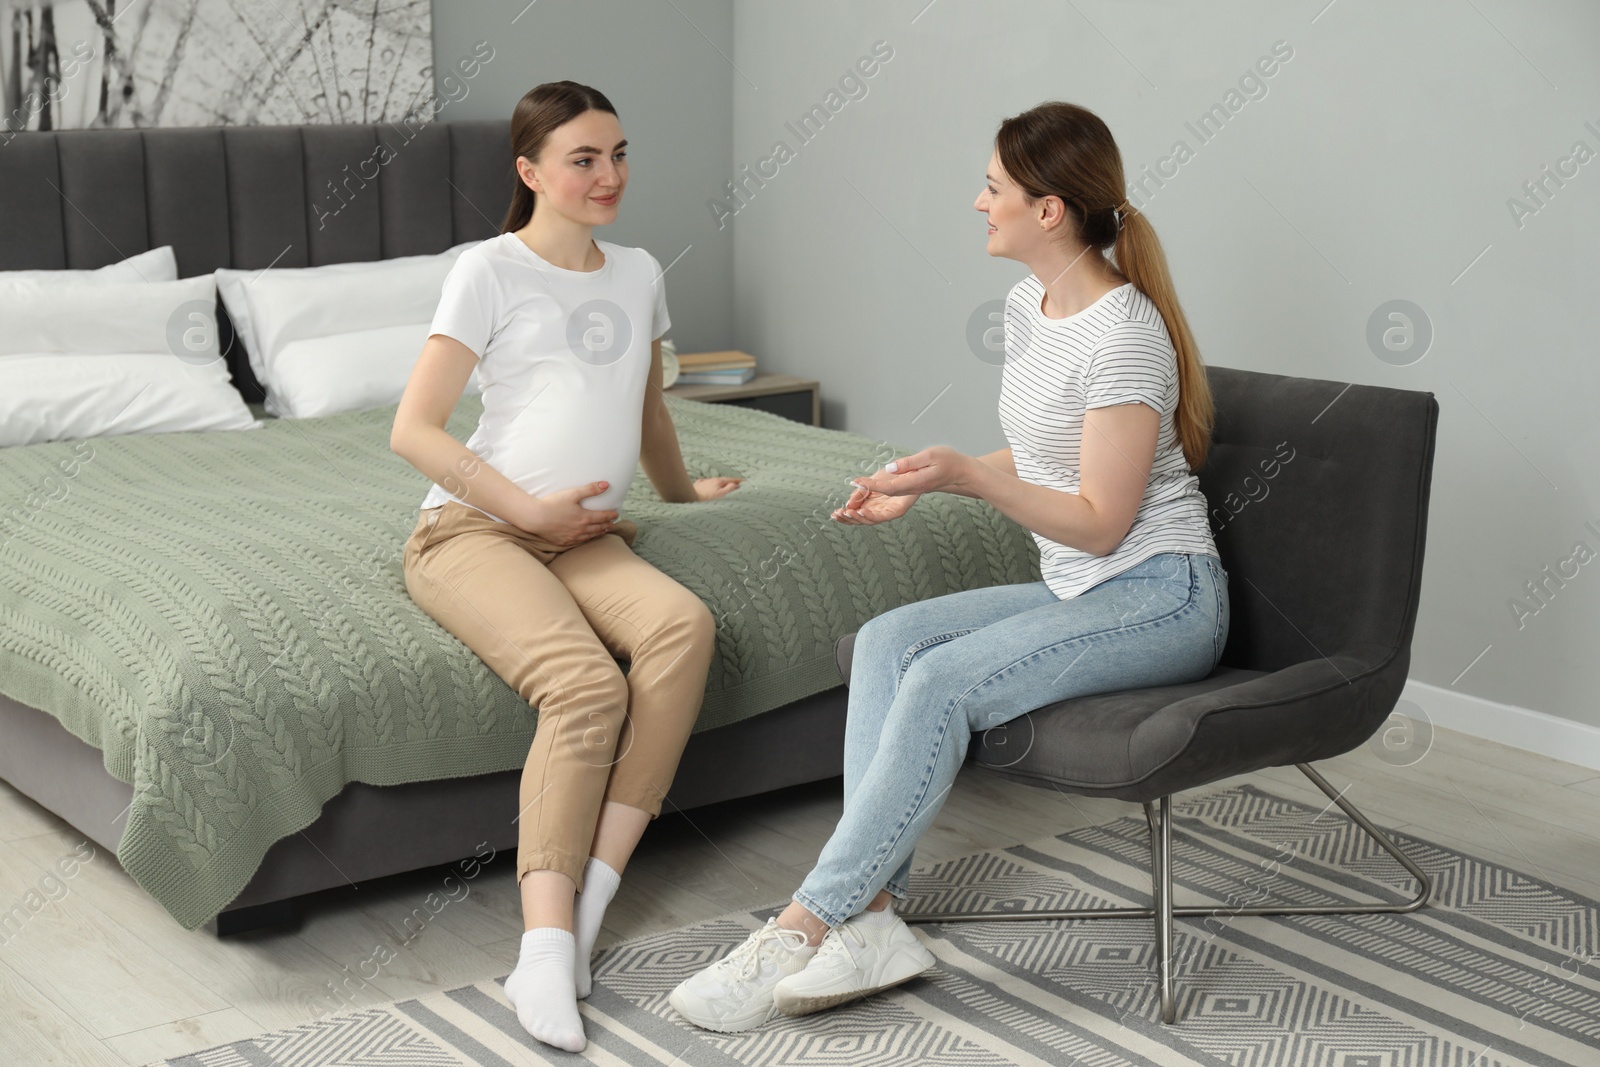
[249, 197]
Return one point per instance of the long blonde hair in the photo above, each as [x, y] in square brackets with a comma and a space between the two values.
[1060, 149]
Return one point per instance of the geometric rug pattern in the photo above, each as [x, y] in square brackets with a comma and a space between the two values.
[1501, 968]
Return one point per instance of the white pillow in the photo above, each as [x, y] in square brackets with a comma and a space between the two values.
[55, 396]
[101, 359]
[337, 298]
[156, 265]
[109, 317]
[348, 371]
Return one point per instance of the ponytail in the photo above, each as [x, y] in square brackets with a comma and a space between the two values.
[1140, 259]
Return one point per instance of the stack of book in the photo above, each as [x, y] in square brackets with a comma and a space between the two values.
[715, 368]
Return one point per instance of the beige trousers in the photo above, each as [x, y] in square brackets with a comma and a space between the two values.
[551, 622]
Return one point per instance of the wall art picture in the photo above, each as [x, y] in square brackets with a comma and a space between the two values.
[72, 64]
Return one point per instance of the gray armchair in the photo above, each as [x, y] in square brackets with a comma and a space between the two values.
[1319, 497]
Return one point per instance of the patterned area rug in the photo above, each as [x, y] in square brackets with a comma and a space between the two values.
[1498, 970]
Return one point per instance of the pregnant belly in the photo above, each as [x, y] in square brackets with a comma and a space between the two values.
[566, 461]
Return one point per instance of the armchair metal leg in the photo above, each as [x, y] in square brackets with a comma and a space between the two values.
[1161, 882]
[1162, 909]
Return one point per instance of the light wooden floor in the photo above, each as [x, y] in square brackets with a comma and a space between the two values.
[101, 975]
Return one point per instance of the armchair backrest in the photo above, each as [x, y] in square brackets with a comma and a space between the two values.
[1318, 496]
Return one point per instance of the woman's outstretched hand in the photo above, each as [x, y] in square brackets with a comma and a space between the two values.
[867, 508]
[890, 493]
[712, 488]
[936, 469]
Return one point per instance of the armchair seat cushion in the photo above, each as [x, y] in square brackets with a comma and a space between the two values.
[1101, 741]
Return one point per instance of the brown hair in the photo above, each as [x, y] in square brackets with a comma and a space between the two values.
[541, 110]
[1060, 149]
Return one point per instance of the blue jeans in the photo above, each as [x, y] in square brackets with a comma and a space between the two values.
[926, 676]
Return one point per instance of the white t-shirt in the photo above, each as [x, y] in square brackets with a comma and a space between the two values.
[564, 357]
[1115, 351]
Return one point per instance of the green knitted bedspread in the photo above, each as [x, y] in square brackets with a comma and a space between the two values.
[225, 617]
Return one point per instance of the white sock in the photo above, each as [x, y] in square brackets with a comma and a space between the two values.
[876, 918]
[599, 886]
[541, 989]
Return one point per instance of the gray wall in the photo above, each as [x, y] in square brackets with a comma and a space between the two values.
[1376, 164]
[659, 66]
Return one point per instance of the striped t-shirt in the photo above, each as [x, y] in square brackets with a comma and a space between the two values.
[1115, 351]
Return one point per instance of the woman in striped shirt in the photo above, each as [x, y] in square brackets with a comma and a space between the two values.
[1105, 406]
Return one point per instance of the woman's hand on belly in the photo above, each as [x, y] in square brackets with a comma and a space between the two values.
[561, 518]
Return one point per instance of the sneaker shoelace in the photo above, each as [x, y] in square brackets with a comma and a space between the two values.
[744, 962]
[832, 946]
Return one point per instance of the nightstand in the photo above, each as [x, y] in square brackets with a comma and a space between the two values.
[794, 398]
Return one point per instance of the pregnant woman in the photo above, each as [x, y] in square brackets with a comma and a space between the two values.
[1106, 409]
[518, 551]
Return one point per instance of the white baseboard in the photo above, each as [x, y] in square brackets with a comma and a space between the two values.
[1532, 731]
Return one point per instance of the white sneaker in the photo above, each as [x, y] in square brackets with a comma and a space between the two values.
[854, 960]
[735, 993]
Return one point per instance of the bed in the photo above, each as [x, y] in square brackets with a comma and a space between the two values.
[208, 659]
